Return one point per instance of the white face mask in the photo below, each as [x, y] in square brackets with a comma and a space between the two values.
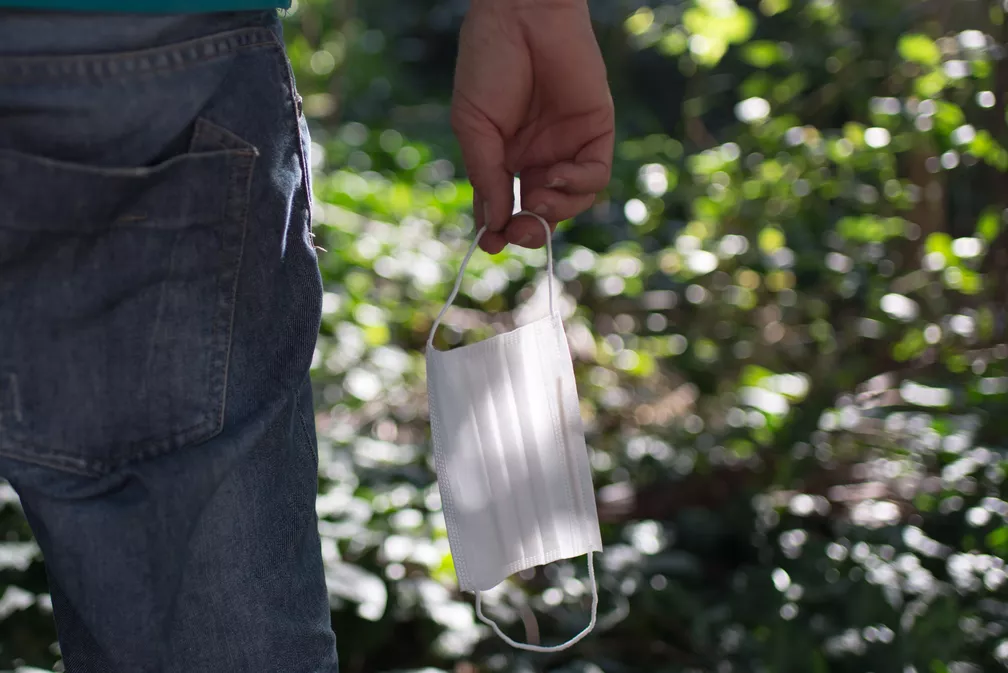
[510, 454]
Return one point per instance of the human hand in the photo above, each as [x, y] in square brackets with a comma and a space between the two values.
[531, 98]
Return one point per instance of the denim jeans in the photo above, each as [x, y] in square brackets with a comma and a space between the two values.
[159, 303]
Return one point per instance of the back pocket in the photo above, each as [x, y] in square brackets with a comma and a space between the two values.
[117, 292]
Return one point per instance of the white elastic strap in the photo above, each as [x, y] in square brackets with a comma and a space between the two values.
[465, 262]
[546, 648]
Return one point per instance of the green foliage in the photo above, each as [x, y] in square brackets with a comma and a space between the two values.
[788, 324]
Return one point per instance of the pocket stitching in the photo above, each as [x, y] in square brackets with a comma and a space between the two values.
[210, 422]
[249, 161]
[118, 172]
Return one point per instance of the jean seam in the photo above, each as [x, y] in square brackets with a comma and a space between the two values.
[288, 72]
[104, 66]
[306, 432]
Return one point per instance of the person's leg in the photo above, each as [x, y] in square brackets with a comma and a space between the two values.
[159, 304]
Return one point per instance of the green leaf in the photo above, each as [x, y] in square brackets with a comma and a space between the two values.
[939, 242]
[719, 23]
[640, 21]
[990, 150]
[948, 116]
[869, 228]
[919, 48]
[773, 7]
[741, 448]
[989, 225]
[854, 132]
[752, 375]
[771, 239]
[931, 84]
[970, 282]
[910, 346]
[376, 335]
[673, 43]
[997, 540]
[762, 53]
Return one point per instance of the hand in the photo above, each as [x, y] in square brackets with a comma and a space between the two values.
[531, 98]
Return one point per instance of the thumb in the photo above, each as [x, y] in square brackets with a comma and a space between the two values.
[483, 154]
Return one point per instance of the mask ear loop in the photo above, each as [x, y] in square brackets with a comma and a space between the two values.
[547, 648]
[469, 254]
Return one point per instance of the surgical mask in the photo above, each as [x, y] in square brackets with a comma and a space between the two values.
[510, 454]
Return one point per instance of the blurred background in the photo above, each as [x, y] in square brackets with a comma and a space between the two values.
[787, 315]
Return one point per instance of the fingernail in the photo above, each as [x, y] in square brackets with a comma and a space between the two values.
[541, 210]
[486, 213]
[556, 182]
[525, 240]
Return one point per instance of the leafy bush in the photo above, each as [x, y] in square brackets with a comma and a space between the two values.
[787, 314]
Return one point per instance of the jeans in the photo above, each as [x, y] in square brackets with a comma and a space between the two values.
[159, 303]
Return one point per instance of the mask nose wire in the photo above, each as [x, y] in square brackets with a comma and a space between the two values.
[468, 256]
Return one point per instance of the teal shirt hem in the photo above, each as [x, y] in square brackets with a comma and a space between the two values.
[152, 7]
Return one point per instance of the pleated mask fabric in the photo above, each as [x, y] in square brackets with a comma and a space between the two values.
[509, 450]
